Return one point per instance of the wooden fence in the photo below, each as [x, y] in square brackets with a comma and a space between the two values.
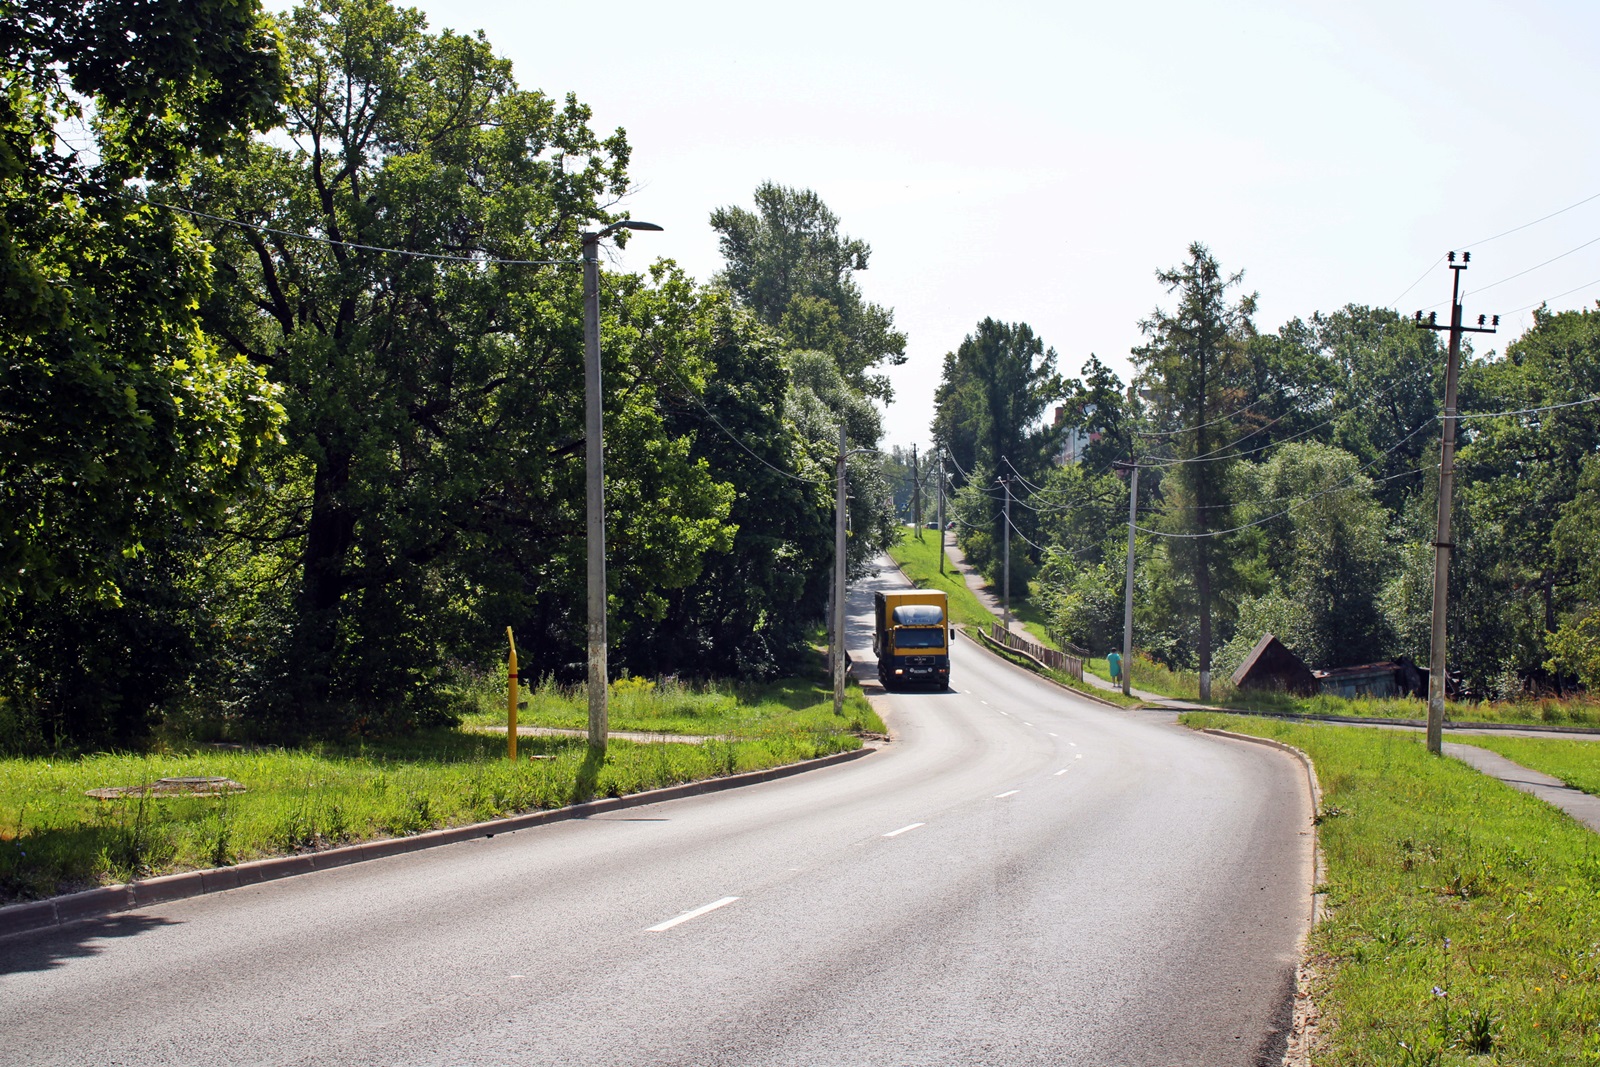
[1050, 657]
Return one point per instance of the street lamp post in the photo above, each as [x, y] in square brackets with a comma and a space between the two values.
[594, 472]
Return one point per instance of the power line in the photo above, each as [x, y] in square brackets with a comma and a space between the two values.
[1529, 411]
[276, 231]
[1276, 515]
[1520, 273]
[1544, 218]
[1558, 296]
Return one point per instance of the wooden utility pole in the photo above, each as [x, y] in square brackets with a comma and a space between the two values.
[1447, 477]
[1005, 587]
[838, 582]
[916, 493]
[1127, 594]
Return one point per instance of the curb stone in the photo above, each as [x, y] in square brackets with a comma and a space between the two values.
[109, 900]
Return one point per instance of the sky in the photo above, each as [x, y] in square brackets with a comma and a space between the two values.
[1040, 162]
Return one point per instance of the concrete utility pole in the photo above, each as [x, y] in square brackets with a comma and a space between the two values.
[838, 582]
[1005, 587]
[594, 478]
[916, 494]
[1127, 595]
[941, 510]
[1447, 477]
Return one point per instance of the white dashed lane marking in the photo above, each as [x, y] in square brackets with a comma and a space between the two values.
[904, 829]
[695, 914]
[1007, 793]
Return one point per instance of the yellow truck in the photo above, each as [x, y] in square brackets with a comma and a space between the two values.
[912, 638]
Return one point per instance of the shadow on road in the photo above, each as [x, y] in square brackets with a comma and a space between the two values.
[45, 949]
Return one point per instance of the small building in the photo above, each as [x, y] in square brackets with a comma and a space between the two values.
[1386, 678]
[1270, 665]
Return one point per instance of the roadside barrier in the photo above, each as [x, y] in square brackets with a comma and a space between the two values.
[1050, 657]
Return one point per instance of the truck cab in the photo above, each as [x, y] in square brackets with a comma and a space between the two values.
[911, 637]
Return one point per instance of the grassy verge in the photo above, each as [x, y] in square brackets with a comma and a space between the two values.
[920, 561]
[1463, 926]
[1576, 763]
[55, 839]
[717, 709]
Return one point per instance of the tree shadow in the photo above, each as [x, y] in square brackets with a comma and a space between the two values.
[587, 780]
[43, 949]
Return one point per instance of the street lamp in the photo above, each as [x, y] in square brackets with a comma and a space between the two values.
[594, 471]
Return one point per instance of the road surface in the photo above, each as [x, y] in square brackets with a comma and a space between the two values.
[1021, 877]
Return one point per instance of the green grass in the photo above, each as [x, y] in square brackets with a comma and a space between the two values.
[1464, 922]
[1576, 763]
[55, 839]
[717, 709]
[920, 561]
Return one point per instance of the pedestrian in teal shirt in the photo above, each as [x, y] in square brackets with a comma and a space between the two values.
[1114, 661]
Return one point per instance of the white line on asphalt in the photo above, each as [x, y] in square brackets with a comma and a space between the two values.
[904, 829]
[1061, 772]
[695, 914]
[1007, 793]
[1074, 744]
[1027, 723]
[1078, 755]
[1052, 735]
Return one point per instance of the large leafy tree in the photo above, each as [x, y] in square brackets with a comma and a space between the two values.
[1194, 364]
[1521, 486]
[995, 391]
[121, 423]
[787, 262]
[432, 483]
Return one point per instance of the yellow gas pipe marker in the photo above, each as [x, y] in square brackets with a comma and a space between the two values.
[511, 700]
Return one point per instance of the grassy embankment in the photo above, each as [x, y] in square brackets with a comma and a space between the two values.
[1463, 925]
[920, 562]
[54, 839]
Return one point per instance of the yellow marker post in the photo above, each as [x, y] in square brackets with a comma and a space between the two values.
[511, 700]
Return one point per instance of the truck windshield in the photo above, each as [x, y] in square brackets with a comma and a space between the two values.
[918, 637]
[918, 615]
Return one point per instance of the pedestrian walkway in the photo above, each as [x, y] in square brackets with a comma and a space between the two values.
[1575, 802]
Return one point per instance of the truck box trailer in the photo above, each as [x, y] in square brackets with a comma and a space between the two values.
[911, 636]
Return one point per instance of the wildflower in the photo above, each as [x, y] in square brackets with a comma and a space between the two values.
[1438, 992]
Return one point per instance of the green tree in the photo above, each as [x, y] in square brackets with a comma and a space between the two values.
[788, 262]
[121, 424]
[432, 487]
[996, 389]
[1194, 364]
[1521, 484]
[1323, 540]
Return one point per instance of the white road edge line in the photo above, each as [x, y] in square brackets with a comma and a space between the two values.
[904, 829]
[1007, 793]
[695, 914]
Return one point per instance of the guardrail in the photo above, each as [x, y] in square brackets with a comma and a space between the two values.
[1055, 659]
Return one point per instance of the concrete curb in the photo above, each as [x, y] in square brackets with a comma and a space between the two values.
[109, 900]
[1303, 1028]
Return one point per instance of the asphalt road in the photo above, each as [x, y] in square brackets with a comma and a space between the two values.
[1021, 877]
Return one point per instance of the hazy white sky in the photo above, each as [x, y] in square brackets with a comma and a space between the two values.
[1039, 162]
